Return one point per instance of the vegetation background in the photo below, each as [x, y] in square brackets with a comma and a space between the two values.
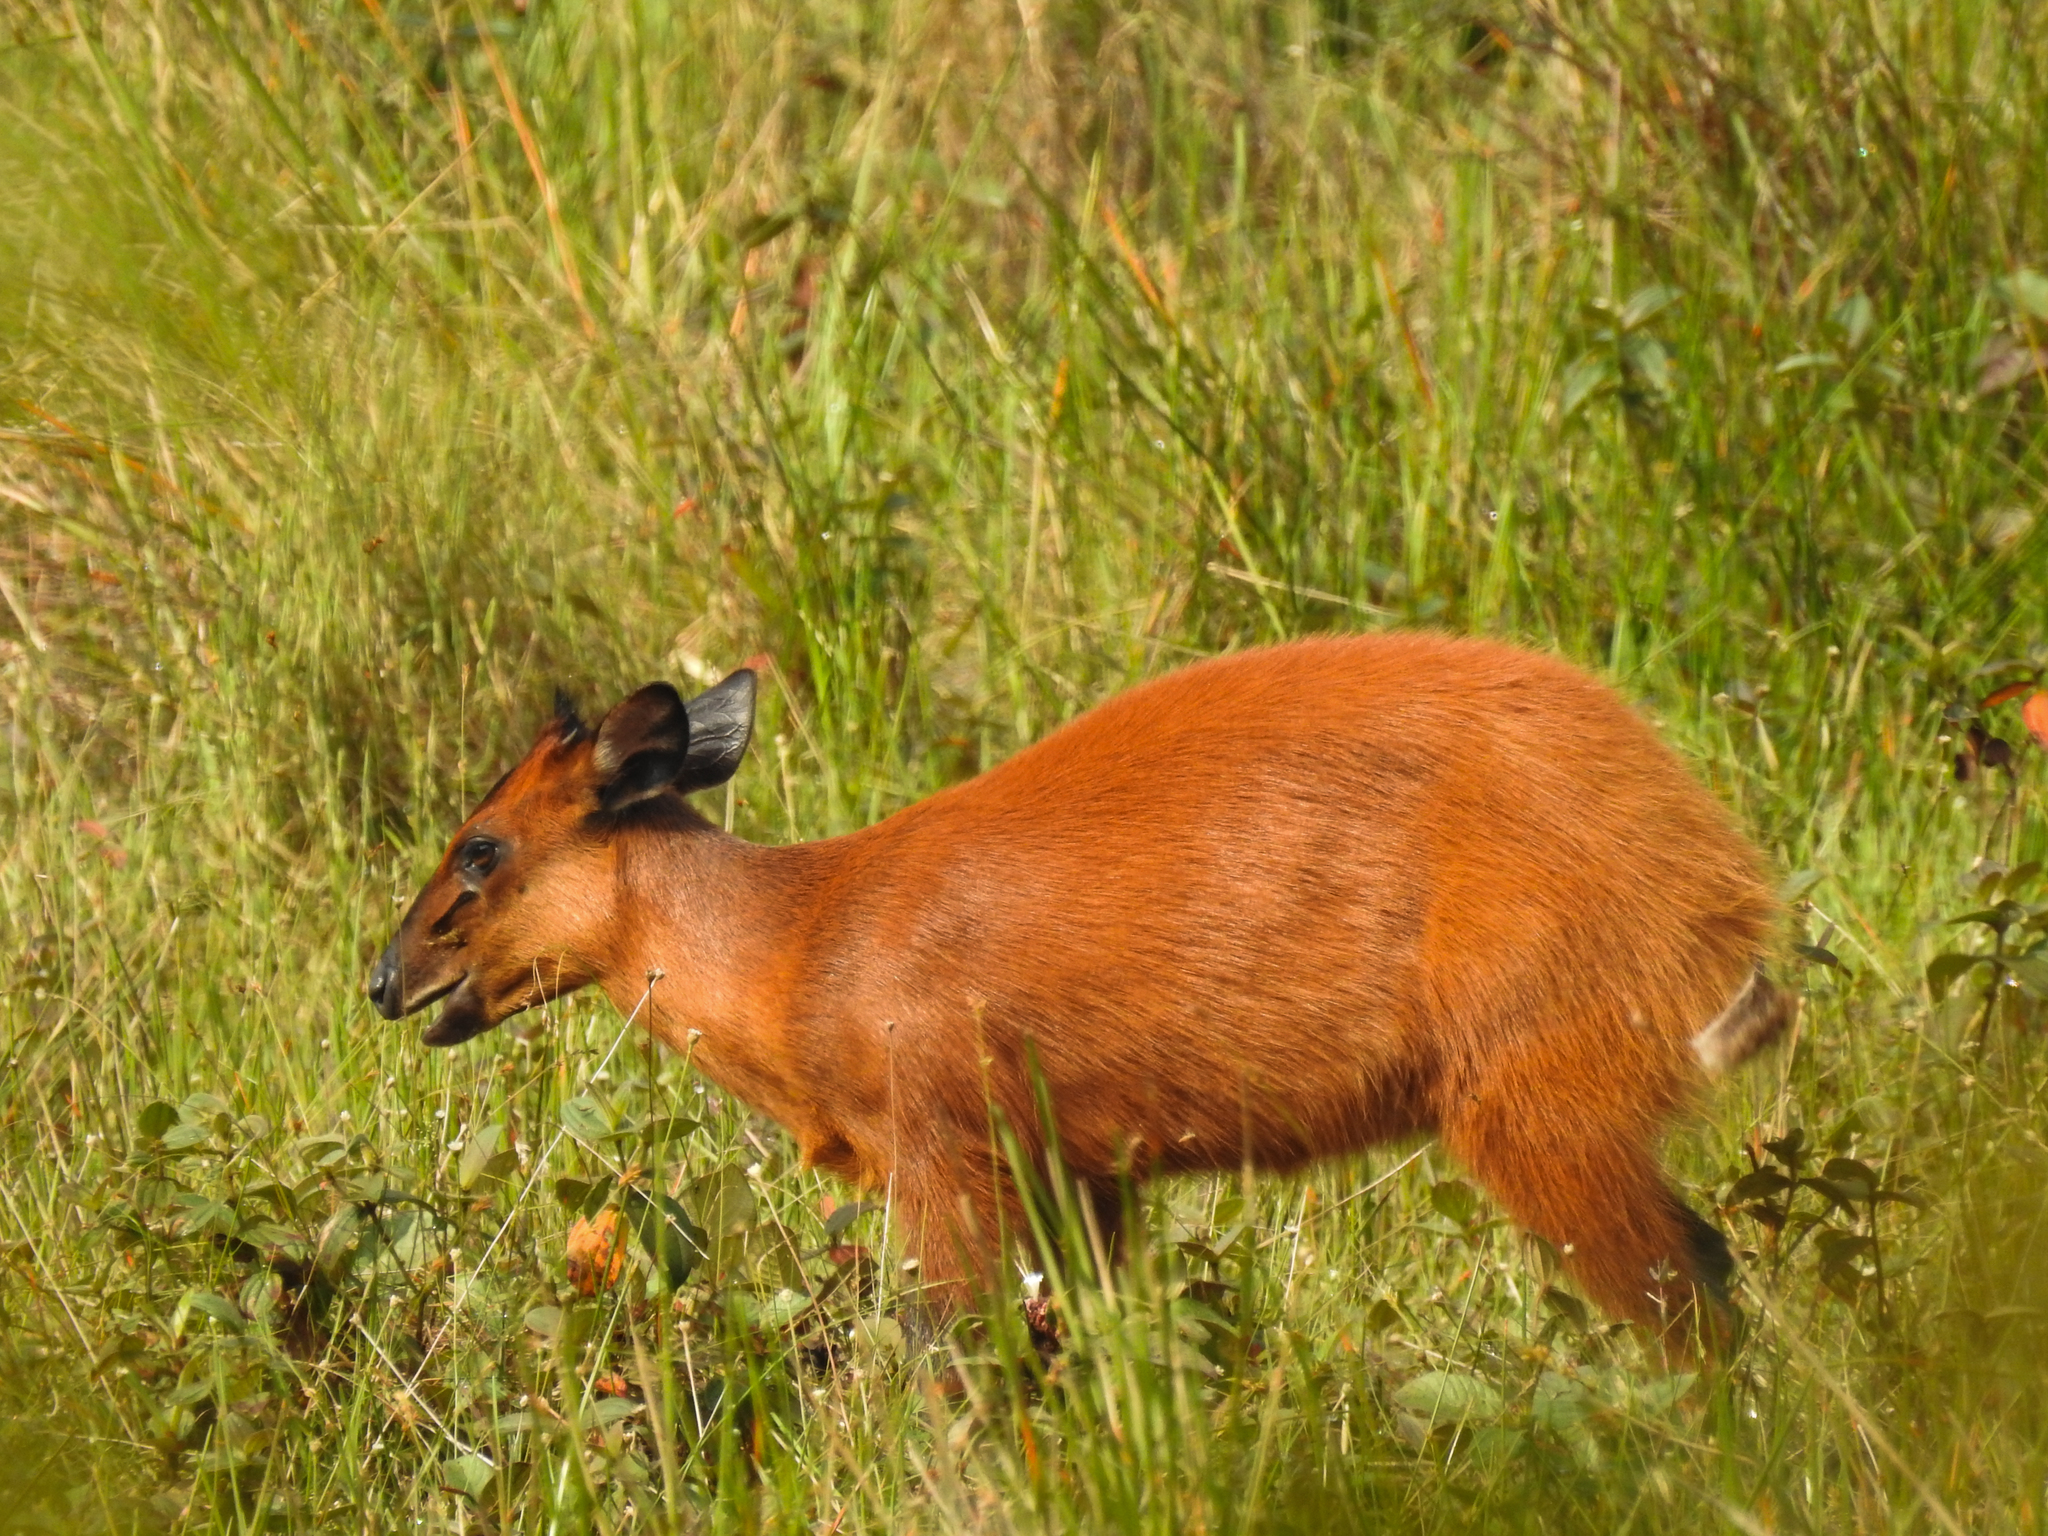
[369, 368]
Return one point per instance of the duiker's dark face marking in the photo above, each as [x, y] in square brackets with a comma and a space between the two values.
[520, 909]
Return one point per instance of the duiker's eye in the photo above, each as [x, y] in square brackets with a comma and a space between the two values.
[479, 856]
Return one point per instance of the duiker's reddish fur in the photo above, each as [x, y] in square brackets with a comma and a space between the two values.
[1272, 907]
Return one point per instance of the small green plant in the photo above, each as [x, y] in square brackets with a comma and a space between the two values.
[1836, 1207]
[2015, 967]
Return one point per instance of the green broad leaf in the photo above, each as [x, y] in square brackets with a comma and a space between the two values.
[1851, 1175]
[1786, 1148]
[322, 1151]
[1853, 318]
[2021, 877]
[1876, 1114]
[607, 1411]
[1842, 1195]
[1984, 872]
[724, 1201]
[581, 1195]
[1560, 1404]
[1818, 956]
[469, 1476]
[1798, 884]
[255, 1298]
[1191, 1311]
[1650, 361]
[123, 1346]
[1944, 970]
[341, 1242]
[413, 1239]
[1760, 1185]
[202, 1106]
[155, 1120]
[670, 1128]
[1660, 1394]
[545, 1321]
[1586, 377]
[182, 1138]
[1564, 1305]
[370, 1188]
[2031, 972]
[1382, 1315]
[846, 1215]
[208, 1304]
[277, 1195]
[1808, 362]
[269, 1234]
[1998, 918]
[1449, 1397]
[1839, 1249]
[672, 1241]
[762, 228]
[584, 1120]
[1767, 1215]
[197, 1213]
[776, 1312]
[1455, 1199]
[485, 1159]
[1646, 304]
[2028, 292]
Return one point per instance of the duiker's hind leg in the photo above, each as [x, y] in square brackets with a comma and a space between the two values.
[1584, 1176]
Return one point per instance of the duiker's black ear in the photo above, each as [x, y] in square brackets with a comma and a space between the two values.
[642, 745]
[721, 721]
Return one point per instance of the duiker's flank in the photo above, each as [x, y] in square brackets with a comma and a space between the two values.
[1276, 906]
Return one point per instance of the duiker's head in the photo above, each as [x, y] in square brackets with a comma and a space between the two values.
[520, 908]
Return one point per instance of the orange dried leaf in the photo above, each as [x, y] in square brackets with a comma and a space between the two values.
[2009, 691]
[2036, 715]
[597, 1252]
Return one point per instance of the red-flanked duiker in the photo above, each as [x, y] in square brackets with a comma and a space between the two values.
[1272, 907]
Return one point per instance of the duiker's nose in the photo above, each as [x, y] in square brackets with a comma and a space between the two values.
[384, 990]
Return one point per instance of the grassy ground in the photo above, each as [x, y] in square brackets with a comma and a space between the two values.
[370, 368]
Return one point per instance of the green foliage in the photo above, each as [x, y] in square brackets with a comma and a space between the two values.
[367, 370]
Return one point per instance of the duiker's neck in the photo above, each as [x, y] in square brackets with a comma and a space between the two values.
[723, 921]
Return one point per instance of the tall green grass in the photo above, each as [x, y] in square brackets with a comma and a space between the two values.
[366, 370]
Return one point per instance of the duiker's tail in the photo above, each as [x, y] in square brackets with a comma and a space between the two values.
[1757, 1016]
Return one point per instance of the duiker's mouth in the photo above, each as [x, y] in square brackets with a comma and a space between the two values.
[463, 1016]
[387, 988]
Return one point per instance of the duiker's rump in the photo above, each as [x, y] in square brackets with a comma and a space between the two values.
[1275, 906]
